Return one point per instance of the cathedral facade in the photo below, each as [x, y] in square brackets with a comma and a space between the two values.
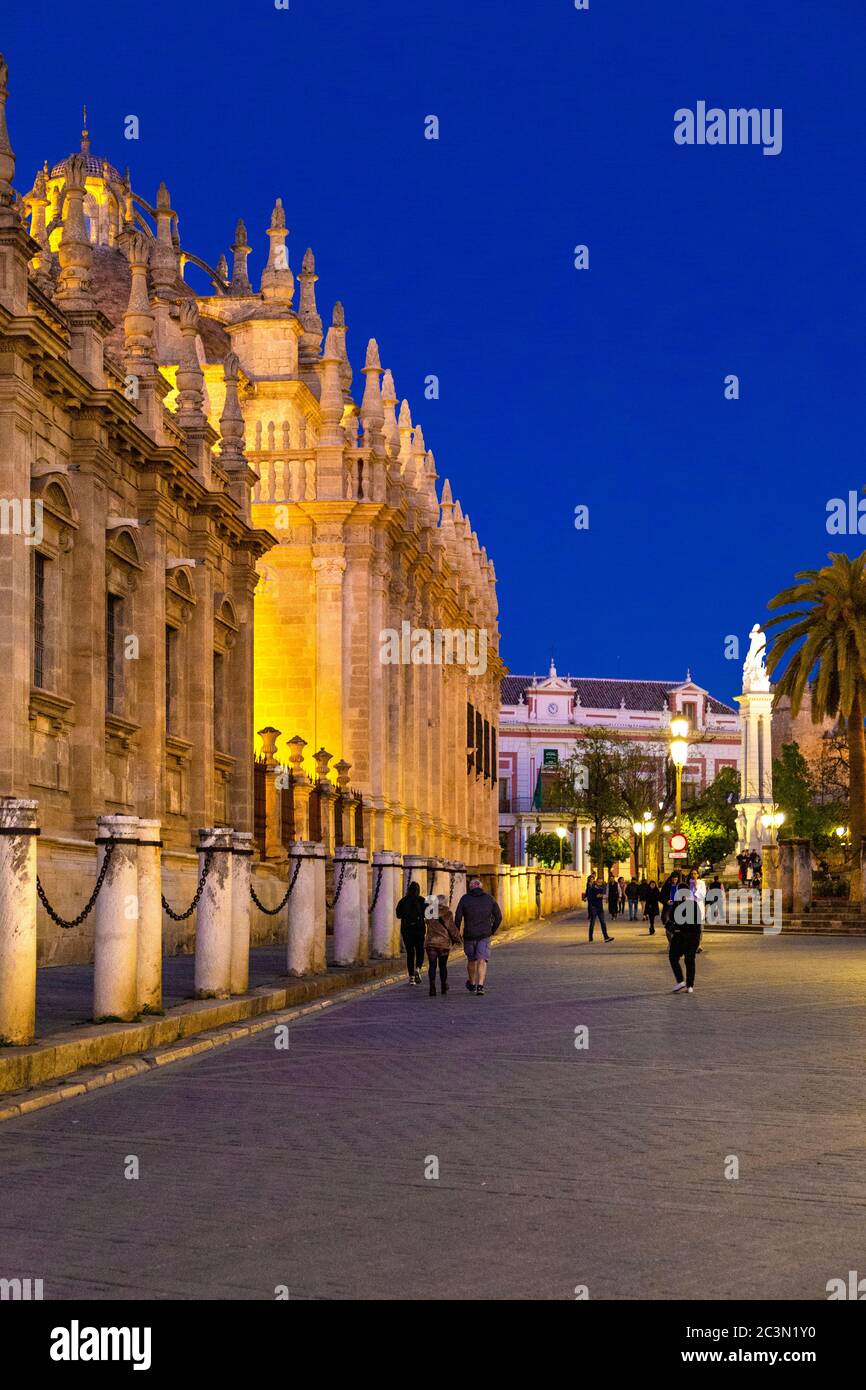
[203, 535]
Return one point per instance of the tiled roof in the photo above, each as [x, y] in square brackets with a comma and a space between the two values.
[608, 694]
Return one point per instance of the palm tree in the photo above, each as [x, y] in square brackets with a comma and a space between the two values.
[830, 615]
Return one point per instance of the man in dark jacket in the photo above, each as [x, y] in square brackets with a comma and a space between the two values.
[413, 926]
[595, 905]
[478, 915]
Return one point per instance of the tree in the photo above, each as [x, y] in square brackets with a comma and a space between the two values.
[808, 813]
[544, 847]
[589, 786]
[829, 621]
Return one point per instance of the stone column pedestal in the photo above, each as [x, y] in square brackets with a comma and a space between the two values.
[351, 918]
[786, 874]
[149, 988]
[415, 869]
[771, 867]
[802, 875]
[115, 943]
[385, 927]
[306, 909]
[18, 833]
[213, 921]
[242, 863]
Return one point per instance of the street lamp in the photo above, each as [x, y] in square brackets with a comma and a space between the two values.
[679, 757]
[561, 832]
[772, 820]
[643, 828]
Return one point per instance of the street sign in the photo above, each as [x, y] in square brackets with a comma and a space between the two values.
[678, 844]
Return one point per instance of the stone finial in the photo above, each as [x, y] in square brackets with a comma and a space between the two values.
[222, 269]
[405, 431]
[278, 282]
[322, 758]
[164, 268]
[240, 250]
[389, 410]
[269, 736]
[342, 769]
[7, 154]
[190, 378]
[38, 225]
[458, 513]
[75, 254]
[307, 311]
[372, 411]
[447, 500]
[338, 325]
[331, 396]
[232, 420]
[138, 320]
[296, 757]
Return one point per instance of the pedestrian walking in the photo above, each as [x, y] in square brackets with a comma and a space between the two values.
[632, 893]
[622, 898]
[643, 889]
[685, 936]
[653, 897]
[612, 896]
[715, 905]
[411, 911]
[698, 889]
[668, 892]
[441, 935]
[479, 915]
[595, 904]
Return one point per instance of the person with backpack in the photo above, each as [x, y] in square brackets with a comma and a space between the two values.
[442, 934]
[685, 935]
[479, 915]
[411, 911]
[652, 905]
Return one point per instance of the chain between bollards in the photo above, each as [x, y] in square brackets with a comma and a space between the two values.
[378, 886]
[182, 916]
[339, 887]
[272, 911]
[87, 909]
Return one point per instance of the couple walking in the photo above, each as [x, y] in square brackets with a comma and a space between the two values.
[427, 924]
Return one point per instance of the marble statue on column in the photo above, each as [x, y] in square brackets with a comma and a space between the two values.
[756, 756]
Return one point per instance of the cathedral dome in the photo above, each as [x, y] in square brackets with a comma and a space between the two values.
[93, 165]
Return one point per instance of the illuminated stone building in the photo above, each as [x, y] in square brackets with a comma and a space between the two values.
[184, 448]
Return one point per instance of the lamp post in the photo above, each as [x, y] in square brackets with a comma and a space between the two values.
[679, 757]
[643, 828]
[561, 832]
[773, 820]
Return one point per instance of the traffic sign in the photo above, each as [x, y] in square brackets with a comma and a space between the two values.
[679, 844]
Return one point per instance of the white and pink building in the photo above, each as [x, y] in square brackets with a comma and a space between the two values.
[541, 719]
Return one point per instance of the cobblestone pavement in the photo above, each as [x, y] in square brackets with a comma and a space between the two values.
[558, 1166]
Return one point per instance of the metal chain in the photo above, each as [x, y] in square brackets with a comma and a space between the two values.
[86, 910]
[272, 911]
[378, 886]
[182, 916]
[453, 876]
[339, 886]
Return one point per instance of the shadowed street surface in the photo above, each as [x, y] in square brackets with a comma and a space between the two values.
[558, 1166]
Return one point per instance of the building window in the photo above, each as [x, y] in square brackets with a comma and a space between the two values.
[470, 735]
[505, 794]
[487, 771]
[219, 733]
[479, 743]
[170, 677]
[39, 662]
[113, 620]
[690, 712]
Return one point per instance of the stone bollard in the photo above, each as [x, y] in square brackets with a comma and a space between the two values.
[242, 867]
[863, 873]
[351, 934]
[415, 871]
[384, 928]
[441, 878]
[771, 867]
[213, 918]
[149, 971]
[802, 875]
[306, 909]
[18, 834]
[115, 937]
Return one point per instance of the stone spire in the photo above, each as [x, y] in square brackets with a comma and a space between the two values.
[307, 311]
[163, 260]
[138, 319]
[76, 253]
[7, 154]
[38, 225]
[222, 269]
[240, 252]
[338, 324]
[419, 460]
[372, 410]
[405, 432]
[232, 420]
[331, 398]
[389, 408]
[190, 378]
[278, 282]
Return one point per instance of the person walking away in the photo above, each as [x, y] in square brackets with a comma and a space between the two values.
[643, 888]
[479, 915]
[411, 912]
[698, 889]
[442, 934]
[684, 939]
[595, 903]
[632, 893]
[652, 905]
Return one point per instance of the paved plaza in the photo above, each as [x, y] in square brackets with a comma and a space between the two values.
[558, 1166]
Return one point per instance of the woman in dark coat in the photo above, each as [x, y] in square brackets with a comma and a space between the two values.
[612, 896]
[653, 897]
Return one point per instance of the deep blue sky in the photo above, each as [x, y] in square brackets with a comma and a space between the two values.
[558, 387]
